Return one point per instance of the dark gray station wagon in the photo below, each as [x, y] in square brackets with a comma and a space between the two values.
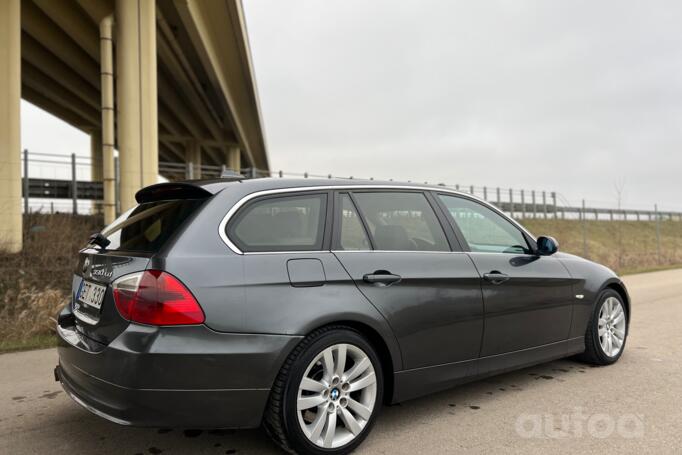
[303, 305]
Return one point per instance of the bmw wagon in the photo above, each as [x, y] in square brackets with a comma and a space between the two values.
[305, 305]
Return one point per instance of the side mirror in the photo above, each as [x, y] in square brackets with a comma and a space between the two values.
[547, 246]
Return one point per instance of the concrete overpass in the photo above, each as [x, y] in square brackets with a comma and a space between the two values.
[167, 80]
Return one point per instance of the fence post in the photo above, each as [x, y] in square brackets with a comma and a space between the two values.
[535, 206]
[485, 193]
[74, 184]
[658, 233]
[25, 182]
[511, 203]
[456, 186]
[584, 223]
[554, 204]
[254, 172]
[544, 204]
[498, 198]
[281, 174]
[189, 170]
[471, 190]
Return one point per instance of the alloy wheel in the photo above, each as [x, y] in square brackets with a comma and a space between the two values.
[611, 326]
[336, 396]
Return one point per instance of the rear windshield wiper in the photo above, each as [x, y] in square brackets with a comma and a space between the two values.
[98, 239]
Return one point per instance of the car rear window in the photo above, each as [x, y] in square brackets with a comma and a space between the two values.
[148, 226]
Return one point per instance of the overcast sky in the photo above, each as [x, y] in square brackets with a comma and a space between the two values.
[576, 97]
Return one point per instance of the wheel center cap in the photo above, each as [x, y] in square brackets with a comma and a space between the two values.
[334, 394]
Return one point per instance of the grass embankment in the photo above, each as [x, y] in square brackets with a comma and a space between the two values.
[35, 283]
[624, 246]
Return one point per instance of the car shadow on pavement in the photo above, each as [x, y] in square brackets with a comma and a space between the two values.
[105, 437]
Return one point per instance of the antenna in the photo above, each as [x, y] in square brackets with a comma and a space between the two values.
[229, 174]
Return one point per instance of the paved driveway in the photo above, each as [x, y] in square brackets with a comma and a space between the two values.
[634, 406]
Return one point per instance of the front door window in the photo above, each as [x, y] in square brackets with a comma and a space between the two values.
[483, 229]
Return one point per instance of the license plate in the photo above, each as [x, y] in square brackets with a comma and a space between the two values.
[92, 294]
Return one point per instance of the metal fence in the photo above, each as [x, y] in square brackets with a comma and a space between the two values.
[520, 203]
[70, 180]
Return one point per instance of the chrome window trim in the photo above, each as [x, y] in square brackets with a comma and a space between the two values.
[256, 253]
[223, 223]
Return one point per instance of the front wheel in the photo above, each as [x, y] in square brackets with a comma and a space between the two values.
[327, 395]
[607, 330]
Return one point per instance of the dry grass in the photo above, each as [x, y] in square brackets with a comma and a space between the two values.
[35, 284]
[624, 246]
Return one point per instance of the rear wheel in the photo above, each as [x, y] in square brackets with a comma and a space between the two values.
[327, 395]
[607, 330]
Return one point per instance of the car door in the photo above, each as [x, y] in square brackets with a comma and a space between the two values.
[393, 245]
[528, 298]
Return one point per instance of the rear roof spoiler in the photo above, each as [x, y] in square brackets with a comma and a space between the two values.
[171, 190]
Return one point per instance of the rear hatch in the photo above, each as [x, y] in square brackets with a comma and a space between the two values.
[133, 239]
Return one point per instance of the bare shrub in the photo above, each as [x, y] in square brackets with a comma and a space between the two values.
[37, 281]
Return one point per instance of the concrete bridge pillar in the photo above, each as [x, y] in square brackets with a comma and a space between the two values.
[193, 160]
[107, 134]
[10, 126]
[96, 155]
[136, 97]
[233, 159]
[96, 173]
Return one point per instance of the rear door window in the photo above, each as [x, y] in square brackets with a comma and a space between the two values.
[352, 235]
[148, 226]
[284, 223]
[401, 221]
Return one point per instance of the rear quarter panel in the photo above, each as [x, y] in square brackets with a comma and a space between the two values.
[252, 293]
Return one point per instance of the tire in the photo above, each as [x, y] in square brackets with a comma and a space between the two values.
[285, 423]
[595, 353]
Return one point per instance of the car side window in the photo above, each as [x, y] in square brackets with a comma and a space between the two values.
[290, 223]
[484, 230]
[352, 233]
[401, 221]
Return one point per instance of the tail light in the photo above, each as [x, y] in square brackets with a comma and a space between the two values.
[156, 298]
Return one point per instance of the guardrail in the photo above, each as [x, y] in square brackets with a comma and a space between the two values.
[518, 203]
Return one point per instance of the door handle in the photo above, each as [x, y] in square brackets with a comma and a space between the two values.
[495, 277]
[381, 278]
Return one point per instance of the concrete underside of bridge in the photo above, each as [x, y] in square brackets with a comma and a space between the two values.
[166, 80]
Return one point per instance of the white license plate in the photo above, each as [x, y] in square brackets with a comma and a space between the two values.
[92, 294]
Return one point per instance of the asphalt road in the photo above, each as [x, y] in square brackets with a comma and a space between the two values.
[634, 406]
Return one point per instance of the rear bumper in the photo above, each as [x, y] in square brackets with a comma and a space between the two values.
[189, 377]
